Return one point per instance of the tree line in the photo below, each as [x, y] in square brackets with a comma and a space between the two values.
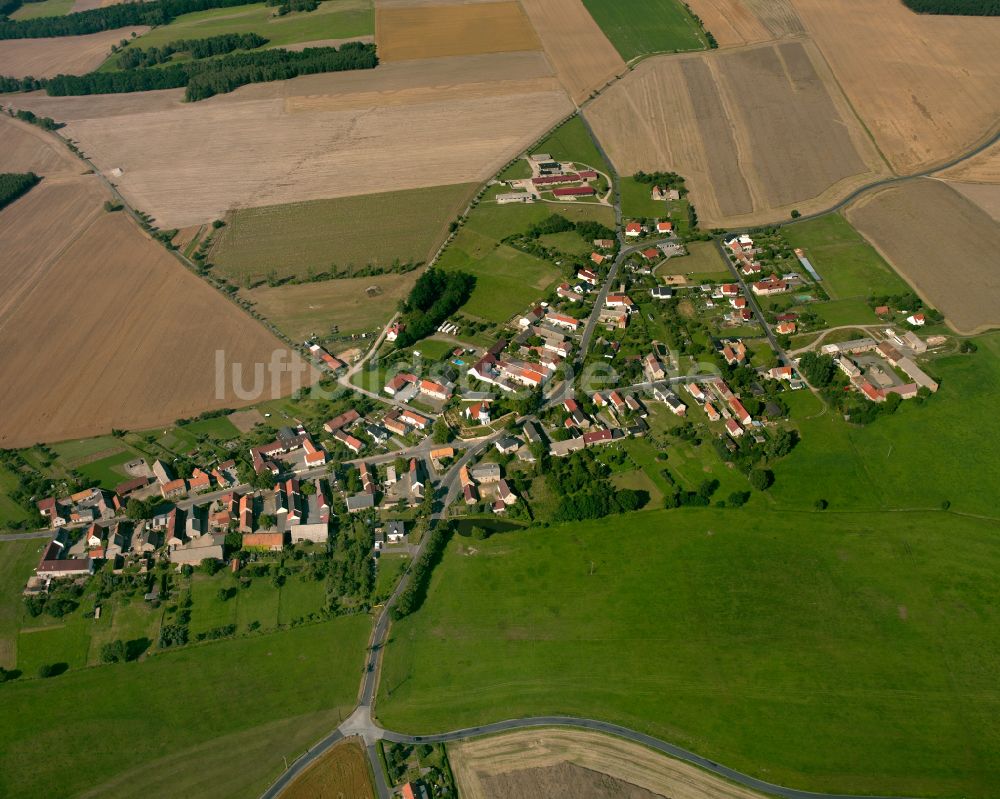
[413, 596]
[14, 185]
[965, 8]
[434, 297]
[206, 78]
[122, 15]
[133, 57]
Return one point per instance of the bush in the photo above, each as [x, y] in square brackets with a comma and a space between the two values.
[761, 479]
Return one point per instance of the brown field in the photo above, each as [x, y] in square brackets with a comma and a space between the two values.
[756, 131]
[941, 243]
[739, 22]
[341, 773]
[926, 86]
[581, 54]
[100, 327]
[985, 195]
[308, 309]
[27, 148]
[444, 121]
[86, 5]
[982, 168]
[530, 763]
[67, 55]
[425, 31]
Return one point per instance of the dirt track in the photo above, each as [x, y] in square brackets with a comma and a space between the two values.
[67, 55]
[482, 765]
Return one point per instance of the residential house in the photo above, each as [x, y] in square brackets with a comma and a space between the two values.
[588, 276]
[769, 286]
[348, 417]
[360, 502]
[661, 293]
[664, 228]
[633, 230]
[174, 488]
[917, 319]
[434, 390]
[486, 472]
[395, 329]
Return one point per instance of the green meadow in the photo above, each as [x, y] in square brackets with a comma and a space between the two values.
[830, 652]
[573, 142]
[641, 27]
[637, 202]
[208, 720]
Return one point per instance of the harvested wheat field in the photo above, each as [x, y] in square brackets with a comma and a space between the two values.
[927, 86]
[985, 195]
[340, 773]
[27, 148]
[941, 243]
[354, 305]
[981, 168]
[581, 54]
[66, 55]
[445, 121]
[101, 327]
[738, 22]
[757, 131]
[431, 31]
[531, 763]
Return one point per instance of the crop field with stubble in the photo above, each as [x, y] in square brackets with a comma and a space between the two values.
[296, 239]
[62, 55]
[923, 225]
[757, 132]
[445, 121]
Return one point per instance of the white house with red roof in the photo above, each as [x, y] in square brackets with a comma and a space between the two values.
[633, 230]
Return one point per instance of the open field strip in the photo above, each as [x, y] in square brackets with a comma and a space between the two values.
[738, 22]
[922, 224]
[45, 8]
[62, 55]
[315, 137]
[757, 132]
[341, 772]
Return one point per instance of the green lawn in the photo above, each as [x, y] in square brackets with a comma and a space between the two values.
[573, 142]
[828, 652]
[849, 265]
[390, 567]
[508, 280]
[45, 8]
[636, 202]
[299, 238]
[851, 311]
[239, 705]
[568, 242]
[17, 562]
[703, 258]
[334, 19]
[640, 27]
[108, 470]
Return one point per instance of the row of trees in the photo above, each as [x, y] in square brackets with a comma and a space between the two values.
[15, 184]
[434, 297]
[413, 596]
[968, 8]
[122, 15]
[207, 77]
[134, 57]
[584, 490]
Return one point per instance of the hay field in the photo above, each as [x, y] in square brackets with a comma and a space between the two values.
[581, 54]
[941, 243]
[307, 309]
[68, 55]
[100, 327]
[339, 773]
[514, 765]
[428, 31]
[926, 86]
[401, 126]
[738, 22]
[293, 239]
[756, 131]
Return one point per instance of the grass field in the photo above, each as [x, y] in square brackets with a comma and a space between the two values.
[17, 560]
[507, 279]
[703, 258]
[641, 27]
[573, 142]
[46, 8]
[636, 202]
[839, 653]
[851, 311]
[299, 238]
[849, 265]
[169, 706]
[337, 19]
[308, 309]
[10, 511]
